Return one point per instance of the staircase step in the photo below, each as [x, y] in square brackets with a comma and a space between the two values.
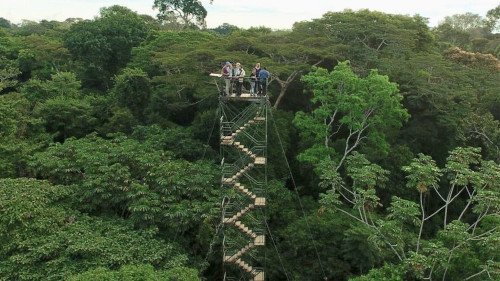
[259, 276]
[241, 213]
[260, 160]
[260, 240]
[260, 201]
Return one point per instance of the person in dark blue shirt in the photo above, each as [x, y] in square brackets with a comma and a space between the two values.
[263, 76]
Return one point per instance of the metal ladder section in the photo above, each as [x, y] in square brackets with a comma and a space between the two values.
[243, 139]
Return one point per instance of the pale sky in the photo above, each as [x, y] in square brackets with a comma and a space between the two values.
[278, 14]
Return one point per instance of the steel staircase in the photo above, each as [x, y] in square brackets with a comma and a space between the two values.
[241, 137]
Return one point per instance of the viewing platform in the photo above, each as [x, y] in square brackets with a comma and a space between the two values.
[245, 96]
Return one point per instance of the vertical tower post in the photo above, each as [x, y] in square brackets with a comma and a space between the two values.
[243, 142]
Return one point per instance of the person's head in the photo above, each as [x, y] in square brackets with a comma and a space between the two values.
[257, 65]
[238, 65]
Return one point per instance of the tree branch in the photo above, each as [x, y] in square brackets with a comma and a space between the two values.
[439, 194]
[476, 274]
[468, 203]
[450, 193]
[421, 222]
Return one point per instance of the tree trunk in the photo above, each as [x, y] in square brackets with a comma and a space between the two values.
[284, 86]
[280, 97]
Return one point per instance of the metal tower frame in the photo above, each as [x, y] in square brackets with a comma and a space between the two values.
[243, 144]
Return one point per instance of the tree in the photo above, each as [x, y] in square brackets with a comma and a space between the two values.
[20, 135]
[188, 13]
[130, 179]
[178, 64]
[103, 45]
[132, 90]
[388, 272]
[473, 59]
[351, 109]
[493, 19]
[41, 237]
[470, 32]
[4, 23]
[120, 120]
[364, 37]
[66, 117]
[288, 54]
[481, 130]
[465, 22]
[440, 90]
[225, 29]
[457, 247]
[61, 84]
[8, 74]
[179, 140]
[138, 272]
[42, 56]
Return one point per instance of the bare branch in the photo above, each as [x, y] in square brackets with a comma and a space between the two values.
[381, 43]
[440, 196]
[476, 274]
[345, 197]
[421, 222]
[468, 203]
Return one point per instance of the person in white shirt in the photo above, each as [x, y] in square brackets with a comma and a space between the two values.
[239, 74]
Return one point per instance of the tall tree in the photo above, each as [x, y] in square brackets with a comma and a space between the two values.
[462, 248]
[289, 54]
[493, 19]
[20, 135]
[42, 237]
[349, 111]
[103, 45]
[5, 23]
[187, 13]
[465, 22]
[132, 90]
[8, 74]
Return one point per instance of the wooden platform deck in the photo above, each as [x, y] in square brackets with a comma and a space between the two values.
[244, 97]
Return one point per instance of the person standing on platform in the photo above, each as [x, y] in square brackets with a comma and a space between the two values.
[254, 80]
[226, 73]
[263, 76]
[239, 75]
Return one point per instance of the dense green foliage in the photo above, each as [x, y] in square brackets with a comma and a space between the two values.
[108, 154]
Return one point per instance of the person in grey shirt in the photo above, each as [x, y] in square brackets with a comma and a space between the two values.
[226, 73]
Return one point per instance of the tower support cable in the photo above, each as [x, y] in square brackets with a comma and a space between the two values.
[298, 196]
